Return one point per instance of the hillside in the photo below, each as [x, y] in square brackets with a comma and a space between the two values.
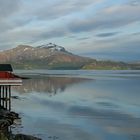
[51, 56]
[135, 65]
[48, 56]
[107, 65]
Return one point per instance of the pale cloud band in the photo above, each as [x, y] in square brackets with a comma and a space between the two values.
[96, 25]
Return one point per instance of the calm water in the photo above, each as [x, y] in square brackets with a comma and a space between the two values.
[79, 105]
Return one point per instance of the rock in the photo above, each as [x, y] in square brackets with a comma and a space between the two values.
[25, 137]
[7, 118]
[4, 123]
[3, 137]
[12, 115]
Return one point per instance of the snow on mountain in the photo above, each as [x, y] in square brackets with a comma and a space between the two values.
[52, 47]
[25, 49]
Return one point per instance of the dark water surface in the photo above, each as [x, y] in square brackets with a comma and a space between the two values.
[79, 105]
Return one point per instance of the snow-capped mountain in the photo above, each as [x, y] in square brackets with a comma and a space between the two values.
[51, 56]
[44, 56]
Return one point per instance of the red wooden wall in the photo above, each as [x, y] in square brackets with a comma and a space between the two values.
[4, 74]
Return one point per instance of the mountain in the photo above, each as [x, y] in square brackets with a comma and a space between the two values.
[52, 56]
[48, 56]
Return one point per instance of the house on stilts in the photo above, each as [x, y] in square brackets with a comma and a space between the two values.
[7, 79]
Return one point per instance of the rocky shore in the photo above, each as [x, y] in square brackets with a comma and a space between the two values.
[6, 120]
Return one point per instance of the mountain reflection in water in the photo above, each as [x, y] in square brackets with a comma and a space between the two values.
[49, 85]
[106, 108]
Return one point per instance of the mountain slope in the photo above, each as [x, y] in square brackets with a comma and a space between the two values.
[48, 56]
[51, 56]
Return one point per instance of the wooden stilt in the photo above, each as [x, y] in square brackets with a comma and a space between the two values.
[0, 95]
[6, 98]
[3, 96]
[9, 98]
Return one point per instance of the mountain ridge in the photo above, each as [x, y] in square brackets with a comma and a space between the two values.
[52, 56]
[45, 56]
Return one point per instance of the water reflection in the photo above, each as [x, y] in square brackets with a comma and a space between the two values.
[107, 108]
[50, 85]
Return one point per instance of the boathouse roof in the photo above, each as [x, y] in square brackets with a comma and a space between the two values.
[6, 67]
[8, 78]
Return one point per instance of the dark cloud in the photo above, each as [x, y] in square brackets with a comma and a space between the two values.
[134, 2]
[83, 25]
[107, 34]
[136, 33]
[72, 36]
[83, 38]
[8, 7]
[53, 33]
[125, 43]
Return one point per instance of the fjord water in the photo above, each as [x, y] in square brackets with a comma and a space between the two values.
[79, 105]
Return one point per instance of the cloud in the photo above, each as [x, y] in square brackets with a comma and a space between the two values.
[127, 43]
[134, 2]
[53, 33]
[107, 34]
[22, 21]
[108, 18]
[8, 7]
[29, 35]
[83, 38]
[136, 33]
[81, 26]
[60, 8]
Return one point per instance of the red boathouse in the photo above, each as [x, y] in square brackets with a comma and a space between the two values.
[7, 79]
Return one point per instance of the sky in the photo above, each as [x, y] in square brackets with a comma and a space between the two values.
[102, 29]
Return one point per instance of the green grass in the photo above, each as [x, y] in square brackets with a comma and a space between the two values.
[96, 65]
